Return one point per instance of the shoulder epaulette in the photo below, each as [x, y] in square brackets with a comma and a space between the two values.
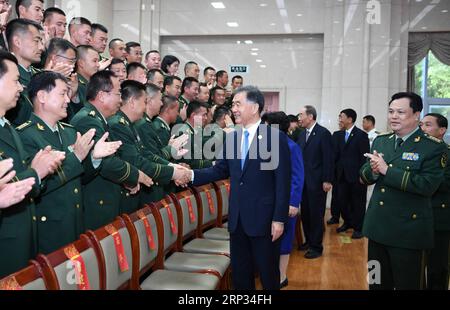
[24, 125]
[66, 125]
[123, 121]
[148, 119]
[433, 139]
[385, 134]
[92, 113]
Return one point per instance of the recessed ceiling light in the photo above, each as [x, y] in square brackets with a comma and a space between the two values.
[444, 11]
[248, 42]
[272, 24]
[258, 60]
[301, 30]
[255, 49]
[232, 24]
[263, 4]
[299, 15]
[238, 42]
[218, 5]
[336, 22]
[262, 66]
[424, 28]
[254, 54]
[358, 29]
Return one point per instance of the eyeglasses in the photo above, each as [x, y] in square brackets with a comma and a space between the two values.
[72, 60]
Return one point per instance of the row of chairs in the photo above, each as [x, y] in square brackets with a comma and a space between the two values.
[179, 242]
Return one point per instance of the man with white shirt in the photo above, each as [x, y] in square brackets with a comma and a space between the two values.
[369, 127]
[352, 144]
[256, 158]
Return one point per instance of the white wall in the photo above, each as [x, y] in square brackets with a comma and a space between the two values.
[363, 64]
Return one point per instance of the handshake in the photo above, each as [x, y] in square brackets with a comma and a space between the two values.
[182, 174]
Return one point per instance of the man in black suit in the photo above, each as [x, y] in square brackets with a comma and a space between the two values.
[352, 144]
[257, 160]
[317, 149]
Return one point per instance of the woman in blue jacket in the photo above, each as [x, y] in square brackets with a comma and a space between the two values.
[282, 120]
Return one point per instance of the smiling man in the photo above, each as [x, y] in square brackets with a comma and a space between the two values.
[407, 168]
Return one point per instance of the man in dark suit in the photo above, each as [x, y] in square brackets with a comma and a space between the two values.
[317, 150]
[351, 145]
[257, 160]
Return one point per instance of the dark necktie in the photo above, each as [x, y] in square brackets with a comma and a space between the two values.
[398, 143]
[58, 138]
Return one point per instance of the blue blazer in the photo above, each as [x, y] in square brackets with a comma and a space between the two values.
[298, 174]
[258, 194]
[317, 157]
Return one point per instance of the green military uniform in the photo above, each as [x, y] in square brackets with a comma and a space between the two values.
[438, 258]
[24, 107]
[153, 144]
[195, 157]
[399, 219]
[182, 102]
[133, 151]
[18, 222]
[73, 107]
[213, 138]
[101, 195]
[59, 207]
[162, 130]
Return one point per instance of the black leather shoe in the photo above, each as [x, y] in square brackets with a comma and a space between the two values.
[332, 221]
[312, 254]
[342, 228]
[357, 235]
[303, 247]
[284, 283]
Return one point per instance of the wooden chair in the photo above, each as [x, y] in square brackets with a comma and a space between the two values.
[31, 277]
[59, 265]
[222, 190]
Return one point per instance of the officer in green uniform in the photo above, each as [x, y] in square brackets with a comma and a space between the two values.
[133, 150]
[29, 51]
[18, 235]
[196, 158]
[438, 258]
[101, 196]
[406, 167]
[63, 224]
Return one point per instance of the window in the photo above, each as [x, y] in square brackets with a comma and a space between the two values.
[432, 83]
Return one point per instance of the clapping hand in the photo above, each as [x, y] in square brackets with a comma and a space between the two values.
[377, 163]
[104, 148]
[46, 161]
[178, 144]
[145, 179]
[83, 144]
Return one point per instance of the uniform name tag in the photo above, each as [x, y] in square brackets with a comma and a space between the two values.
[410, 156]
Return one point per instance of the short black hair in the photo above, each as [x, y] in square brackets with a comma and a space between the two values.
[168, 81]
[415, 101]
[293, 118]
[220, 73]
[151, 74]
[236, 77]
[131, 44]
[131, 89]
[350, 113]
[152, 89]
[168, 102]
[131, 67]
[441, 121]
[208, 68]
[167, 61]
[19, 25]
[115, 61]
[277, 118]
[58, 45]
[100, 27]
[193, 107]
[79, 21]
[53, 10]
[46, 81]
[310, 110]
[24, 3]
[4, 55]
[213, 90]
[100, 81]
[253, 94]
[188, 64]
[187, 82]
[370, 118]
[219, 113]
[82, 50]
[150, 52]
[111, 43]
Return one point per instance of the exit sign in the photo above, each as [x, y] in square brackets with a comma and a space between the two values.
[240, 69]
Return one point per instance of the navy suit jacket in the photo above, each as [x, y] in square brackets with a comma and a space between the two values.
[258, 196]
[349, 157]
[317, 157]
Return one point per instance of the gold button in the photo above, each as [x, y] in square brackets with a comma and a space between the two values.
[407, 167]
[75, 190]
[381, 203]
[127, 194]
[390, 165]
[414, 216]
[24, 162]
[156, 184]
[383, 190]
[101, 202]
[34, 218]
[43, 219]
[31, 200]
[78, 206]
[443, 206]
